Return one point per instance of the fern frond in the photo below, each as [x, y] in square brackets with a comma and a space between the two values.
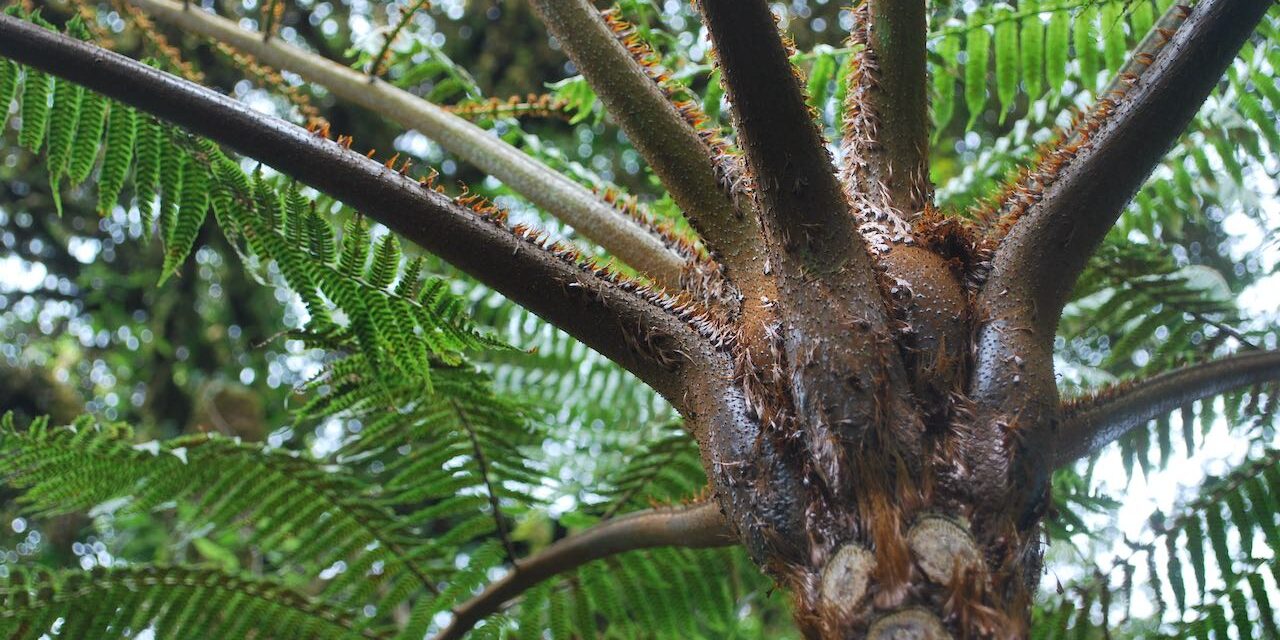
[122, 129]
[8, 89]
[37, 90]
[311, 515]
[1229, 580]
[170, 602]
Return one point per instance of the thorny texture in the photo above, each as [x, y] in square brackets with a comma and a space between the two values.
[666, 126]
[870, 381]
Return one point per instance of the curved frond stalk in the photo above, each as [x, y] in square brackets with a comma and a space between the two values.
[1092, 422]
[1035, 266]
[696, 527]
[572, 203]
[175, 602]
[531, 106]
[651, 335]
[1109, 158]
[689, 164]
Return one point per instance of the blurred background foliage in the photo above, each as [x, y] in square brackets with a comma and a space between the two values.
[1190, 271]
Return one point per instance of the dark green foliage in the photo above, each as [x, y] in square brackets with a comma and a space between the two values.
[89, 127]
[62, 129]
[37, 90]
[8, 89]
[175, 602]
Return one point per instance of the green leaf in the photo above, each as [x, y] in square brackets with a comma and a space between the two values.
[37, 87]
[1085, 36]
[1057, 50]
[188, 216]
[62, 129]
[151, 139]
[821, 75]
[122, 127]
[1142, 17]
[8, 90]
[1195, 550]
[977, 51]
[93, 112]
[1031, 50]
[1261, 599]
[1177, 583]
[1217, 528]
[1114, 46]
[1006, 59]
[944, 84]
[711, 101]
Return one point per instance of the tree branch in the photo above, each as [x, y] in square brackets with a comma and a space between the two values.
[886, 135]
[697, 526]
[1049, 245]
[560, 196]
[684, 161]
[1094, 421]
[802, 203]
[637, 329]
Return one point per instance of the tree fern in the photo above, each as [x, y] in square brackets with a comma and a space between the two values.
[443, 471]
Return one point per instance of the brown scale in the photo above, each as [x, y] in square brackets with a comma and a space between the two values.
[680, 98]
[530, 106]
[156, 41]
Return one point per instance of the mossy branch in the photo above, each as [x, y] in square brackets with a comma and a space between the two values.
[697, 526]
[570, 202]
[640, 330]
[1094, 421]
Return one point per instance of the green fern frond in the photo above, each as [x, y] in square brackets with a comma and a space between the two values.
[122, 129]
[1228, 573]
[151, 139]
[311, 515]
[37, 90]
[171, 602]
[62, 128]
